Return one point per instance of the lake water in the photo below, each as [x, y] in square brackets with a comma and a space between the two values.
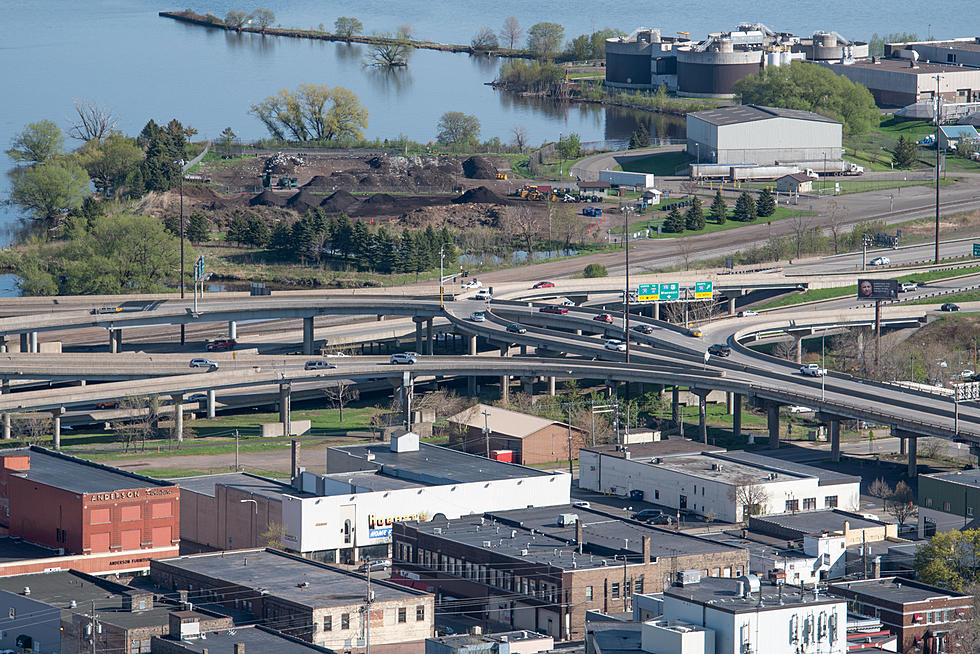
[122, 55]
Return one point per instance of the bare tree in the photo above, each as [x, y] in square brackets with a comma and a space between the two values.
[686, 248]
[520, 137]
[92, 121]
[512, 32]
[689, 187]
[901, 503]
[31, 427]
[750, 498]
[340, 393]
[835, 222]
[444, 403]
[784, 350]
[801, 224]
[485, 39]
[392, 52]
[525, 225]
[879, 488]
[142, 423]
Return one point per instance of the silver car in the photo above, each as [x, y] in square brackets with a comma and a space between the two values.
[203, 363]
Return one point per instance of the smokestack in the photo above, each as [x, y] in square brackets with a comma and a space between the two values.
[294, 473]
[877, 567]
[646, 549]
[578, 534]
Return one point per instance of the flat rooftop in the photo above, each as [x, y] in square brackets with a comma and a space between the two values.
[812, 522]
[825, 475]
[722, 594]
[896, 589]
[748, 113]
[965, 477]
[284, 576]
[370, 481]
[257, 639]
[60, 588]
[206, 484]
[902, 66]
[77, 475]
[954, 44]
[641, 451]
[14, 549]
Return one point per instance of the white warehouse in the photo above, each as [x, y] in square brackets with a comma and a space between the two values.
[752, 134]
[718, 484]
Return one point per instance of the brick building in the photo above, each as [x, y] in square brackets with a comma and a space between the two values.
[530, 438]
[240, 640]
[304, 599]
[922, 616]
[543, 569]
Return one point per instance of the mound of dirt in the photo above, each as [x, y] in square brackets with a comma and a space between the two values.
[266, 199]
[479, 195]
[479, 168]
[303, 201]
[380, 200]
[339, 202]
[319, 181]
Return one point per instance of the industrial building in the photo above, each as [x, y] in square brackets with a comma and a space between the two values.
[643, 60]
[901, 81]
[543, 569]
[513, 436]
[958, 52]
[764, 136]
[727, 486]
[948, 501]
[304, 599]
[507, 642]
[247, 639]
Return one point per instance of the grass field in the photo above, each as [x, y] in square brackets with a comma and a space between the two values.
[650, 222]
[966, 296]
[827, 186]
[666, 163]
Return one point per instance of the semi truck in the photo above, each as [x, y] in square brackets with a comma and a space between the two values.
[837, 167]
[746, 172]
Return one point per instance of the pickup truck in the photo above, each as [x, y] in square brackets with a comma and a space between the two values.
[813, 370]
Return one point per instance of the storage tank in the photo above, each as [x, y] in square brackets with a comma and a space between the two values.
[726, 45]
[772, 59]
[785, 58]
[714, 73]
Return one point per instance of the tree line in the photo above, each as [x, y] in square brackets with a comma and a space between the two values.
[694, 219]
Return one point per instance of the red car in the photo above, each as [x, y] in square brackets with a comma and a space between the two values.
[553, 308]
[603, 317]
[544, 285]
[221, 344]
[107, 405]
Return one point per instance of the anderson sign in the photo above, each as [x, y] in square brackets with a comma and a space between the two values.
[129, 494]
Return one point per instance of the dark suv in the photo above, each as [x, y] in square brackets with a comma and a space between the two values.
[719, 350]
[652, 516]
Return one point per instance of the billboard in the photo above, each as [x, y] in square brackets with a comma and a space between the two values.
[648, 292]
[703, 290]
[877, 289]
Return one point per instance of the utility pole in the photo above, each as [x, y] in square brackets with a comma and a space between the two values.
[367, 610]
[180, 165]
[626, 305]
[93, 626]
[877, 334]
[486, 430]
[938, 107]
[237, 467]
[569, 405]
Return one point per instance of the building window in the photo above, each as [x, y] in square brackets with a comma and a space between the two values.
[588, 593]
[969, 511]
[328, 623]
[656, 495]
[792, 505]
[420, 613]
[638, 586]
[345, 620]
[347, 532]
[830, 502]
[946, 507]
[402, 615]
[614, 592]
[809, 503]
[627, 591]
[928, 501]
[950, 58]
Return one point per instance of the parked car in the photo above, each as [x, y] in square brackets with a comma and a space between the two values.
[336, 354]
[544, 285]
[553, 308]
[221, 344]
[908, 286]
[375, 566]
[880, 261]
[800, 409]
[615, 344]
[603, 317]
[719, 350]
[517, 329]
[949, 306]
[404, 357]
[203, 363]
[473, 283]
[319, 364]
[652, 516]
[478, 316]
[112, 404]
[967, 373]
[581, 504]
[643, 329]
[812, 370]
[197, 397]
[747, 313]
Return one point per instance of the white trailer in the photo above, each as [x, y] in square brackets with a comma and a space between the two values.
[621, 178]
[837, 167]
[763, 172]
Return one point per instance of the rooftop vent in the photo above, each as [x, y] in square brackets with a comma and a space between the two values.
[687, 577]
[487, 543]
[26, 591]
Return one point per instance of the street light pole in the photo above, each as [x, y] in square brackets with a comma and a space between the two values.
[183, 327]
[938, 106]
[442, 256]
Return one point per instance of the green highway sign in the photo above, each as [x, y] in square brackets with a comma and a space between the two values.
[670, 291]
[703, 290]
[648, 292]
[976, 249]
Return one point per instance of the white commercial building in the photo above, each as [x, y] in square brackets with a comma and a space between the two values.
[727, 486]
[347, 514]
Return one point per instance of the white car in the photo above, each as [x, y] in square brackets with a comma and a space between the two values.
[483, 294]
[908, 286]
[478, 316]
[337, 354]
[747, 313]
[473, 283]
[203, 363]
[615, 344]
[800, 409]
[967, 373]
[581, 504]
[404, 357]
[880, 261]
[812, 370]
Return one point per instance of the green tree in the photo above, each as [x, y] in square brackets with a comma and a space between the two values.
[227, 137]
[640, 138]
[110, 162]
[570, 147]
[347, 26]
[37, 143]
[876, 46]
[744, 208]
[594, 270]
[281, 238]
[674, 222]
[257, 233]
[263, 19]
[904, 153]
[47, 191]
[765, 204]
[197, 229]
[313, 112]
[694, 220]
[545, 39]
[580, 48]
[950, 559]
[165, 149]
[719, 210]
[457, 130]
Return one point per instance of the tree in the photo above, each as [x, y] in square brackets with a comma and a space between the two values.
[236, 19]
[340, 393]
[750, 498]
[744, 208]
[694, 220]
[391, 52]
[313, 112]
[37, 143]
[835, 222]
[47, 191]
[904, 153]
[950, 559]
[143, 423]
[458, 130]
[879, 488]
[30, 427]
[640, 138]
[876, 46]
[165, 149]
[485, 39]
[525, 225]
[512, 33]
[520, 137]
[900, 504]
[545, 39]
[801, 227]
[92, 121]
[263, 19]
[110, 162]
[570, 147]
[674, 222]
[197, 229]
[594, 270]
[347, 26]
[274, 536]
[719, 210]
[765, 204]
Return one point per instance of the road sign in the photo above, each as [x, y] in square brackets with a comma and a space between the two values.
[967, 391]
[648, 292]
[199, 268]
[671, 291]
[703, 290]
[976, 249]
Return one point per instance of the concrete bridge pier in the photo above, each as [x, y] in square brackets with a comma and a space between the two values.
[675, 405]
[4, 386]
[731, 305]
[406, 392]
[210, 403]
[505, 350]
[471, 346]
[285, 408]
[798, 340]
[418, 333]
[505, 388]
[655, 312]
[178, 399]
[6, 426]
[835, 440]
[471, 386]
[702, 414]
[524, 350]
[737, 415]
[3, 343]
[232, 329]
[551, 386]
[429, 340]
[115, 341]
[56, 426]
[772, 419]
[308, 335]
[24, 343]
[975, 451]
[528, 386]
[902, 446]
[32, 337]
[911, 441]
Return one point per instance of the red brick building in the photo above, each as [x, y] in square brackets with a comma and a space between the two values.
[530, 438]
[85, 508]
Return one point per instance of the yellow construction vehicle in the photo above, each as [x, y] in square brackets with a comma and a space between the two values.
[501, 175]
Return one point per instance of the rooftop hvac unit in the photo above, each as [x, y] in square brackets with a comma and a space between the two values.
[523, 552]
[686, 577]
[486, 543]
[566, 519]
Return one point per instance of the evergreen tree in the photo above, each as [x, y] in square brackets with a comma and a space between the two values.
[744, 208]
[694, 220]
[765, 205]
[197, 229]
[406, 252]
[361, 245]
[303, 239]
[342, 237]
[904, 154]
[257, 233]
[385, 253]
[674, 223]
[640, 138]
[281, 239]
[237, 229]
[719, 210]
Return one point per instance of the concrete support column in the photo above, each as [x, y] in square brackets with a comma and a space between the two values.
[471, 386]
[504, 350]
[551, 386]
[210, 403]
[118, 334]
[4, 387]
[578, 332]
[429, 340]
[308, 335]
[56, 427]
[702, 415]
[232, 329]
[33, 342]
[285, 400]
[656, 311]
[528, 385]
[835, 440]
[472, 345]
[505, 388]
[6, 426]
[407, 392]
[737, 415]
[524, 350]
[24, 343]
[675, 405]
[772, 418]
[3, 343]
[799, 349]
[913, 460]
[731, 306]
[418, 334]
[113, 344]
[902, 446]
[178, 399]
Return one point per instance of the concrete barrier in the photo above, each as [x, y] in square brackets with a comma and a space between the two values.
[273, 429]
